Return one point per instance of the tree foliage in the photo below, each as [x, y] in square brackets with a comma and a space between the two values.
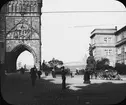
[102, 64]
[55, 62]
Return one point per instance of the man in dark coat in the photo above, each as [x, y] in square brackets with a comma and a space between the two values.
[22, 70]
[63, 78]
[33, 73]
[39, 74]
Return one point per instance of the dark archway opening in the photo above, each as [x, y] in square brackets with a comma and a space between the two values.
[11, 57]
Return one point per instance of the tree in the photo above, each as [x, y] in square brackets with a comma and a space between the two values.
[102, 64]
[55, 62]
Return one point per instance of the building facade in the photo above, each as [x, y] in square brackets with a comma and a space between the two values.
[2, 33]
[121, 45]
[20, 31]
[103, 42]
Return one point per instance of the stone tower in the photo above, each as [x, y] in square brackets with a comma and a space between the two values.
[22, 31]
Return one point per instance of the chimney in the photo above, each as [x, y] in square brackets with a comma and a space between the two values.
[116, 27]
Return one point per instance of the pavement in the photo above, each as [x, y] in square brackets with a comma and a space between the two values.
[17, 90]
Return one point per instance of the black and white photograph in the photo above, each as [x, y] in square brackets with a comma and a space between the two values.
[63, 52]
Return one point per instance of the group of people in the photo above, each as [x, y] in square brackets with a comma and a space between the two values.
[34, 73]
[106, 74]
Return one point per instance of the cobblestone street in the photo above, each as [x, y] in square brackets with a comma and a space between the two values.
[18, 90]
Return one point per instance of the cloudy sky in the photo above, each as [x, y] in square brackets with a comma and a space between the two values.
[66, 35]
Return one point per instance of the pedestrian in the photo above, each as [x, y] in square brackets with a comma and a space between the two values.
[95, 75]
[77, 71]
[63, 78]
[39, 74]
[33, 73]
[53, 73]
[22, 70]
[71, 74]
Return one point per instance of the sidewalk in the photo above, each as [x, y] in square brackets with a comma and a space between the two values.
[18, 91]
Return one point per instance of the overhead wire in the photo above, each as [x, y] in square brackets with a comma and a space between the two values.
[98, 25]
[48, 12]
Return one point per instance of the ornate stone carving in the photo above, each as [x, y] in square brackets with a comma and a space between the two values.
[23, 6]
[23, 30]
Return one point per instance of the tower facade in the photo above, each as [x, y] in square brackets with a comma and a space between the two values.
[22, 31]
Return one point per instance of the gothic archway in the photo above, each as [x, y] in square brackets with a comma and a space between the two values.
[13, 55]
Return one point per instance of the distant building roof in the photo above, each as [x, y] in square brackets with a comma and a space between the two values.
[106, 31]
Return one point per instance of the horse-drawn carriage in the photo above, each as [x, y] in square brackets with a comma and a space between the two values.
[105, 74]
[108, 75]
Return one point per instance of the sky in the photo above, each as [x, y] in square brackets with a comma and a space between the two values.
[66, 36]
[29, 61]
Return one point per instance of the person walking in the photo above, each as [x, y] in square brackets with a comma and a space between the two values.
[39, 74]
[53, 73]
[22, 70]
[33, 73]
[63, 78]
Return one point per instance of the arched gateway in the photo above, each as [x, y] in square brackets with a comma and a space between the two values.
[22, 31]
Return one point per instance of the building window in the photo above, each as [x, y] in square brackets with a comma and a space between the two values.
[106, 52]
[105, 39]
[119, 51]
[109, 39]
[109, 52]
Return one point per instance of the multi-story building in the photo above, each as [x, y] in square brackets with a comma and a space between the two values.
[103, 42]
[121, 45]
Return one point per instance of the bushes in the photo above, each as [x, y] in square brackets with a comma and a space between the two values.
[102, 64]
[121, 68]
